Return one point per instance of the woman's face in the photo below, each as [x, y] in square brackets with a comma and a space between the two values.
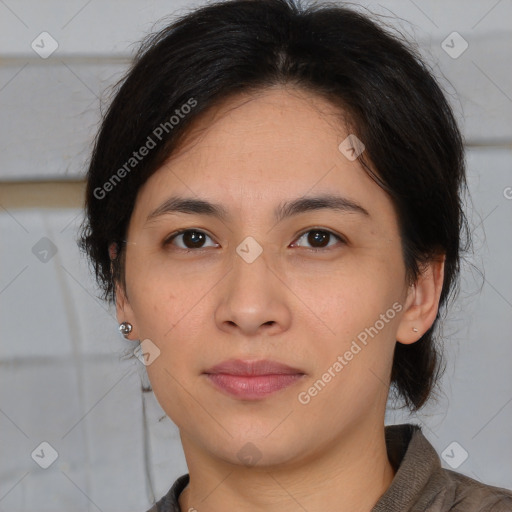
[319, 288]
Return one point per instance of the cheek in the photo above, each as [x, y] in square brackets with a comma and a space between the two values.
[169, 311]
[353, 297]
[154, 289]
[356, 312]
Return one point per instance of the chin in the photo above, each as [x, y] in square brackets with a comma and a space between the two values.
[259, 449]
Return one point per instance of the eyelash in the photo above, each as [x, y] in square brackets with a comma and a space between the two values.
[167, 241]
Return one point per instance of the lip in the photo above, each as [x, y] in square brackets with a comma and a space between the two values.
[250, 368]
[252, 380]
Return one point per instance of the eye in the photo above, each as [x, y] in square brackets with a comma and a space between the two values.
[319, 238]
[190, 239]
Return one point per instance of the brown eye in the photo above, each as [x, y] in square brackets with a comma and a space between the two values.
[188, 239]
[319, 238]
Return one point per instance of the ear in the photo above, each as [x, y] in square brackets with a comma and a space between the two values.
[422, 302]
[124, 311]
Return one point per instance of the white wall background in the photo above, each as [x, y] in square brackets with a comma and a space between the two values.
[61, 377]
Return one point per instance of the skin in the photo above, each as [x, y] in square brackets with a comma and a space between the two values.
[292, 305]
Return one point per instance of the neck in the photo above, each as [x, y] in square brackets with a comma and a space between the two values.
[350, 474]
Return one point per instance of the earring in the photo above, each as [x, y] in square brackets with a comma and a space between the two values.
[414, 329]
[125, 328]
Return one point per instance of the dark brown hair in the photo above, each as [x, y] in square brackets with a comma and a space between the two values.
[370, 75]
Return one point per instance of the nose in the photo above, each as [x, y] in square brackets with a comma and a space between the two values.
[253, 299]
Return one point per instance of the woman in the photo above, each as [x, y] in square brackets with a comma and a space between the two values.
[274, 205]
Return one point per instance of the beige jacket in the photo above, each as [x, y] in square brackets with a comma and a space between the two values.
[420, 483]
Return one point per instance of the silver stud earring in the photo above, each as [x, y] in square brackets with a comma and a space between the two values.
[414, 329]
[125, 328]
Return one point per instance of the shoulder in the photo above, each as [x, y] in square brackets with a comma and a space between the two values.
[460, 493]
[421, 484]
[170, 502]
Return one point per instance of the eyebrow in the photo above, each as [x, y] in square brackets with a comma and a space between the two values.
[285, 210]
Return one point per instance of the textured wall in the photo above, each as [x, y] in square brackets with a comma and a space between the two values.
[62, 378]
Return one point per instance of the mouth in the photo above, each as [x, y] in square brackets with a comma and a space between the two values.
[252, 380]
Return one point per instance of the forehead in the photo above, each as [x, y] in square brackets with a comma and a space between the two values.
[280, 121]
[274, 145]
